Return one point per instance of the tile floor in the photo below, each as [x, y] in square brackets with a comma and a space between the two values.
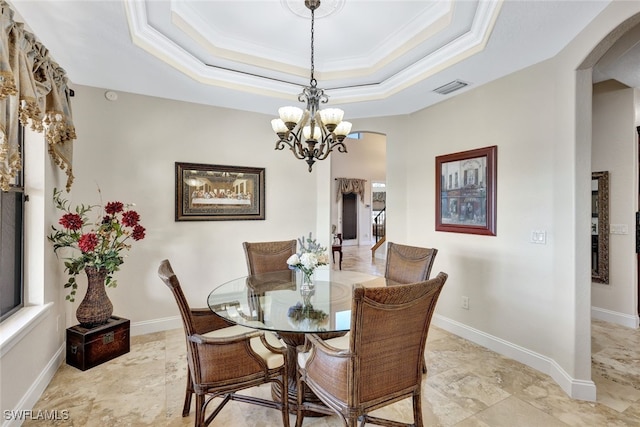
[467, 385]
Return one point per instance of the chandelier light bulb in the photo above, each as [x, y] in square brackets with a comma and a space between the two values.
[317, 133]
[290, 114]
[343, 129]
[331, 116]
[278, 126]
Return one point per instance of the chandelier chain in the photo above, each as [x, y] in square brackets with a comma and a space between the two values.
[313, 80]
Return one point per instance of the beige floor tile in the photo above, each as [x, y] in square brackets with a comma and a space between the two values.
[512, 412]
[615, 395]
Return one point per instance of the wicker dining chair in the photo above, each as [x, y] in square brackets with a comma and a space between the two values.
[408, 264]
[381, 361]
[265, 257]
[224, 359]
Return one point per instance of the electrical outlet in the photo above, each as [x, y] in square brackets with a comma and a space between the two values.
[465, 303]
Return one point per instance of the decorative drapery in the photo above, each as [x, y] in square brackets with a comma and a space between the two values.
[33, 92]
[350, 185]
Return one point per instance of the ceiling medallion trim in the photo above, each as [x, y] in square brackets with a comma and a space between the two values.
[327, 8]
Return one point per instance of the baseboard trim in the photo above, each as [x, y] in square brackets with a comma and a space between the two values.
[622, 319]
[576, 389]
[34, 392]
[155, 325]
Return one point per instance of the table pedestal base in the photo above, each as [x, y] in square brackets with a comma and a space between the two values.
[292, 341]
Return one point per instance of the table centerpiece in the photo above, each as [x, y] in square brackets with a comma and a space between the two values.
[310, 255]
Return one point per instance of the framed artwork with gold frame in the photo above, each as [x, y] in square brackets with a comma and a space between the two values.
[219, 193]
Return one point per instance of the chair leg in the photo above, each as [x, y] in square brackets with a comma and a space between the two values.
[299, 411]
[340, 258]
[417, 409]
[189, 392]
[285, 396]
[200, 400]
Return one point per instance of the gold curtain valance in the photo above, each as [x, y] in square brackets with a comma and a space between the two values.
[350, 185]
[33, 92]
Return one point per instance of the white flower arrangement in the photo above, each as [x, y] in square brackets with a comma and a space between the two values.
[310, 255]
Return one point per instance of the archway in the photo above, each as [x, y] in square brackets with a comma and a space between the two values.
[365, 160]
[624, 20]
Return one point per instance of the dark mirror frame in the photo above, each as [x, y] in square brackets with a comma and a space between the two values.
[600, 227]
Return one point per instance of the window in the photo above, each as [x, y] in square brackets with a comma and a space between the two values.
[12, 244]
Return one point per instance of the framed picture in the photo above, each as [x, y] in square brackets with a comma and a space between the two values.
[466, 191]
[218, 193]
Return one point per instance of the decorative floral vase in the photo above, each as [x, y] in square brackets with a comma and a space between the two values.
[307, 280]
[96, 308]
[306, 292]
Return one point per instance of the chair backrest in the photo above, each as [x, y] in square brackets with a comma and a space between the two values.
[265, 257]
[408, 264]
[339, 237]
[169, 278]
[389, 327]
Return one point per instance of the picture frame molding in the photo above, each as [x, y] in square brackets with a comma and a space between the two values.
[488, 227]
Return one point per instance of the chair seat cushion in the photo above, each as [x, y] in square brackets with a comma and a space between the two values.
[341, 343]
[274, 360]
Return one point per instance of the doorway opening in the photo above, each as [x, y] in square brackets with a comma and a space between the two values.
[349, 216]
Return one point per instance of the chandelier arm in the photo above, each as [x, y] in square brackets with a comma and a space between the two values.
[293, 142]
[299, 152]
[313, 153]
[341, 147]
[281, 144]
[331, 145]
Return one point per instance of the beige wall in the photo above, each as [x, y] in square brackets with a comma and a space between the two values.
[615, 150]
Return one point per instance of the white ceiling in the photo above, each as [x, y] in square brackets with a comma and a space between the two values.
[373, 57]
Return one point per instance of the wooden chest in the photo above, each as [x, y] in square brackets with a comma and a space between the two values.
[87, 348]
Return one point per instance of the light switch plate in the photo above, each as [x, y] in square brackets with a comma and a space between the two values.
[619, 229]
[539, 237]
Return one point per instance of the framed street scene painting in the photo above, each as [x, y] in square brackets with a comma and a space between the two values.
[218, 193]
[466, 191]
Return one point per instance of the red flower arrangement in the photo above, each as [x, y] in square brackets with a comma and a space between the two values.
[100, 243]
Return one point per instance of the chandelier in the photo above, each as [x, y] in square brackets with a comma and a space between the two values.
[321, 131]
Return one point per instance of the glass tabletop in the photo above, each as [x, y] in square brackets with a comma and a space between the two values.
[276, 302]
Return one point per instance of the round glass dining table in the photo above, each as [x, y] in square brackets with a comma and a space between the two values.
[278, 302]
